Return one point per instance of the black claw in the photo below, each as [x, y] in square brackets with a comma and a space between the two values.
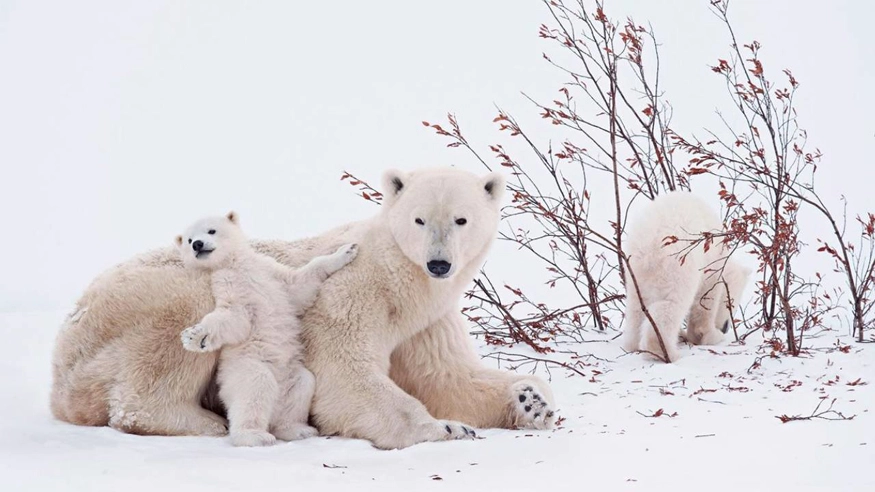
[522, 398]
[467, 432]
[528, 408]
[449, 431]
[204, 342]
[537, 414]
[550, 414]
[536, 397]
[473, 434]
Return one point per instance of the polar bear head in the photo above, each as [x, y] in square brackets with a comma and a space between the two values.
[212, 242]
[442, 219]
[735, 277]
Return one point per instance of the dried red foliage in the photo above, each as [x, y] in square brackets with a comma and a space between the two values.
[766, 177]
[613, 125]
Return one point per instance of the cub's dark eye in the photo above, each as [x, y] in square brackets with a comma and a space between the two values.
[461, 221]
[189, 240]
[419, 221]
[211, 231]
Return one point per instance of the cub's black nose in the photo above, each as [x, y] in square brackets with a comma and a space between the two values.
[197, 245]
[438, 267]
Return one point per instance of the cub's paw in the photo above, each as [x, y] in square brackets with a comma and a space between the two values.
[295, 432]
[252, 438]
[456, 430]
[347, 252]
[532, 407]
[342, 257]
[197, 339]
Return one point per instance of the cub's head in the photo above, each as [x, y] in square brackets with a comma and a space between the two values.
[736, 277]
[443, 219]
[211, 242]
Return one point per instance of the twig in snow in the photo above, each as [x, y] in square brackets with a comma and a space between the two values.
[828, 414]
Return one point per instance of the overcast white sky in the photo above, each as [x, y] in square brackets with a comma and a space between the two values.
[122, 121]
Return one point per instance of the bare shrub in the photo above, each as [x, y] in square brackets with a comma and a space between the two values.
[766, 176]
[613, 144]
[549, 216]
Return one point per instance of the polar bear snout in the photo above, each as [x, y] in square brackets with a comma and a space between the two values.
[439, 268]
[202, 249]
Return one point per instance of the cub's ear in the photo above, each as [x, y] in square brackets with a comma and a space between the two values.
[178, 240]
[394, 182]
[493, 183]
[232, 216]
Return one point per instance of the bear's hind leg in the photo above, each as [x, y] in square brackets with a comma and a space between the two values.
[630, 340]
[701, 322]
[289, 421]
[669, 316]
[130, 413]
[440, 367]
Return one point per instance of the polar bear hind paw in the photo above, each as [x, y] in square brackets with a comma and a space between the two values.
[531, 409]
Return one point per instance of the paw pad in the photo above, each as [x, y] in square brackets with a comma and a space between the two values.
[532, 411]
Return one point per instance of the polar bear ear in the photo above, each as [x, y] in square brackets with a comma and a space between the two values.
[233, 217]
[393, 184]
[178, 240]
[494, 184]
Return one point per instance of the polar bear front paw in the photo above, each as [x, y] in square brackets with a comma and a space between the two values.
[531, 408]
[457, 430]
[197, 339]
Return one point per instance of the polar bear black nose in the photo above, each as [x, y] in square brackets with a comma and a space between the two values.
[438, 267]
[197, 245]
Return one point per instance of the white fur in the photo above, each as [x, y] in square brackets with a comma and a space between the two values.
[674, 290]
[262, 379]
[406, 358]
[385, 338]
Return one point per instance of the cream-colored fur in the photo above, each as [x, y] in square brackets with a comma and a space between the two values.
[261, 376]
[674, 290]
[385, 338]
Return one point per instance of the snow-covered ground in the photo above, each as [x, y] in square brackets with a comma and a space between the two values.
[718, 430]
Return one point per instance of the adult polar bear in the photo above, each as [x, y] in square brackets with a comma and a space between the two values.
[385, 339]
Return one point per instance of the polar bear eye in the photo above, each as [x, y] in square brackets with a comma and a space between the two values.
[211, 231]
[419, 221]
[461, 221]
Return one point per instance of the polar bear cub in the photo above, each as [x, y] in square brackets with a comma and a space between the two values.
[262, 379]
[678, 281]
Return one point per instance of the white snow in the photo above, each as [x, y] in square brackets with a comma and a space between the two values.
[721, 440]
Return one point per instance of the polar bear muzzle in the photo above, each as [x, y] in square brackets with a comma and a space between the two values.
[439, 268]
